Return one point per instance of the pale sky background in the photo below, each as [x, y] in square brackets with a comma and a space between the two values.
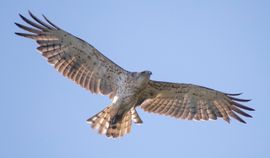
[219, 44]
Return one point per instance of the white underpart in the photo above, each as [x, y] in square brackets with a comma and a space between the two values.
[115, 99]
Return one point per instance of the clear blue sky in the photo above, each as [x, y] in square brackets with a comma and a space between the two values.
[224, 45]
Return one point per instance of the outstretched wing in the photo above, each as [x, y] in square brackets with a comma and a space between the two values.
[187, 101]
[73, 57]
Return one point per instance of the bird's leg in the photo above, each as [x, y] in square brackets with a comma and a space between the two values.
[117, 118]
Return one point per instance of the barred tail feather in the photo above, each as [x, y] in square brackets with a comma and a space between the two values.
[102, 122]
[135, 116]
[121, 128]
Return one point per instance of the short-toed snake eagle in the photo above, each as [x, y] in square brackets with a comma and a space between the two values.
[85, 65]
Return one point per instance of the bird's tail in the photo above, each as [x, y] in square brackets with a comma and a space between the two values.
[112, 126]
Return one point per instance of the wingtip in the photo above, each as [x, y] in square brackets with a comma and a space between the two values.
[23, 18]
[26, 35]
[240, 100]
[234, 94]
[251, 109]
[17, 33]
[21, 15]
[241, 120]
[30, 13]
[18, 25]
[20, 34]
[55, 26]
[247, 115]
[242, 106]
[244, 122]
[45, 17]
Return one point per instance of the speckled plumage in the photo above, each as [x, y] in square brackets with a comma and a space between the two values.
[85, 65]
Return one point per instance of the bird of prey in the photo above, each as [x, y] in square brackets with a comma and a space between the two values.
[82, 63]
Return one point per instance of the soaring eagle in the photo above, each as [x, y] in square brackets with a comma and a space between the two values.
[82, 63]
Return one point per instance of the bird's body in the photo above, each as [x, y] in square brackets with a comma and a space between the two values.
[81, 62]
[124, 102]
